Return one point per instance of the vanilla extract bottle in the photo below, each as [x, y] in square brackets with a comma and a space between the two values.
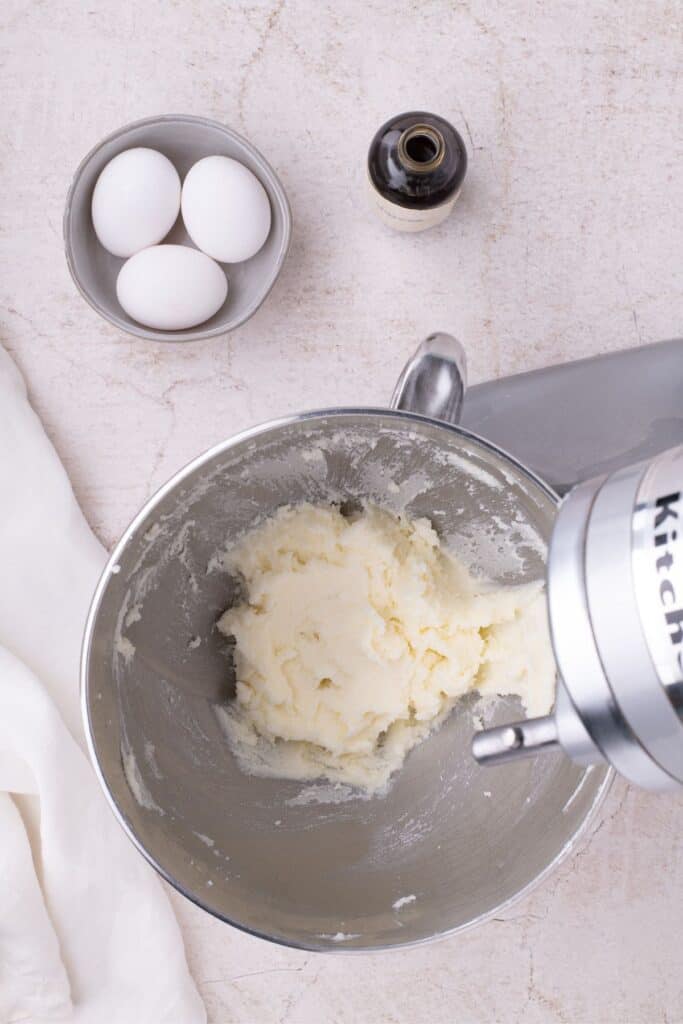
[416, 167]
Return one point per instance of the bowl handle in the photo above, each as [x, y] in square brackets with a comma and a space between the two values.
[433, 381]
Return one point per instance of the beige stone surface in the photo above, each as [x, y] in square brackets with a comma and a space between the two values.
[566, 242]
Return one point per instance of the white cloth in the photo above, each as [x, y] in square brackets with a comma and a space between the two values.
[86, 932]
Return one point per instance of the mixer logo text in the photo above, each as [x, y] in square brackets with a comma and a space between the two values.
[666, 533]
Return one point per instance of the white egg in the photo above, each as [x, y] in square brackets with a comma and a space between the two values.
[136, 201]
[226, 209]
[171, 287]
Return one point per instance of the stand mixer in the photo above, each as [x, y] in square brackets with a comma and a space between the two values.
[462, 840]
[615, 565]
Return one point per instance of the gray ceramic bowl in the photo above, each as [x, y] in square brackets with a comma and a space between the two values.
[184, 140]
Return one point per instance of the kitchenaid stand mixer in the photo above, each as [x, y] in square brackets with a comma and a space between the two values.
[146, 680]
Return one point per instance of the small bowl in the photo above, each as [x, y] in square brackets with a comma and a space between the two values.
[184, 140]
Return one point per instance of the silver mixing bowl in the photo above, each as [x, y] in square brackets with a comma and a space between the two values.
[318, 866]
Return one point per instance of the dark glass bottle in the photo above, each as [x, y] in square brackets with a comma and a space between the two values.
[416, 166]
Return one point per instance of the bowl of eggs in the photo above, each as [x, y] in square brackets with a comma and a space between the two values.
[176, 228]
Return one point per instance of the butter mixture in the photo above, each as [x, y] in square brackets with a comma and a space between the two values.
[358, 635]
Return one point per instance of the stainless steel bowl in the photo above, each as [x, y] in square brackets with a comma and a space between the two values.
[310, 865]
[184, 140]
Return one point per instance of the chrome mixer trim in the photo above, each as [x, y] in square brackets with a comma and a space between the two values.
[577, 655]
[619, 636]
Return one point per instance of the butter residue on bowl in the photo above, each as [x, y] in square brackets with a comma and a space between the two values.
[358, 635]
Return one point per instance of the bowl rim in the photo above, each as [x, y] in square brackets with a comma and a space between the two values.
[272, 180]
[581, 834]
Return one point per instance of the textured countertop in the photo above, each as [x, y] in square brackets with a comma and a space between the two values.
[565, 243]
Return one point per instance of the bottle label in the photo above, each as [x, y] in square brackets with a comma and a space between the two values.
[401, 218]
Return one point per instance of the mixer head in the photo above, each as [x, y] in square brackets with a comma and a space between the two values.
[615, 601]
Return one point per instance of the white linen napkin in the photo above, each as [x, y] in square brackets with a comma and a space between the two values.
[86, 932]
